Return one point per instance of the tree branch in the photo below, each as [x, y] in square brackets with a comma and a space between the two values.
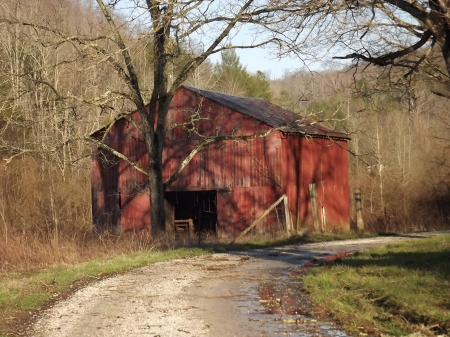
[116, 153]
[390, 57]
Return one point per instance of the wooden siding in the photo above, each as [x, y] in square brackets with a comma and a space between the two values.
[224, 165]
[323, 162]
[120, 196]
[239, 208]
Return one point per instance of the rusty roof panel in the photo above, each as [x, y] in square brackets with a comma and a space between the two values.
[270, 114]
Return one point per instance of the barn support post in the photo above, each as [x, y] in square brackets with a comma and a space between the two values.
[297, 225]
[314, 207]
[200, 229]
[324, 221]
[287, 215]
[358, 207]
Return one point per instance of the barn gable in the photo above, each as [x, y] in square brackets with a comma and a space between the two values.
[229, 183]
[270, 114]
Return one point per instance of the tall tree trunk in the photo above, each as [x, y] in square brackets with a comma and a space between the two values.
[446, 47]
[156, 186]
[156, 166]
[158, 109]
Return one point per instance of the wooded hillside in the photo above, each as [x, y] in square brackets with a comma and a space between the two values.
[53, 95]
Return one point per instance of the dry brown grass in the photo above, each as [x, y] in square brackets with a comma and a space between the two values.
[25, 253]
[45, 220]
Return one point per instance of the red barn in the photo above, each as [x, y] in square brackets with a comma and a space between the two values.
[230, 183]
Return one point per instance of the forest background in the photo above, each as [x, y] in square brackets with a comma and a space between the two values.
[398, 152]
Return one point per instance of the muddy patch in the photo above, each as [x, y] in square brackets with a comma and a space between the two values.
[281, 307]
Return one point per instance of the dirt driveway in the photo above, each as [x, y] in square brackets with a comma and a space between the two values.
[254, 293]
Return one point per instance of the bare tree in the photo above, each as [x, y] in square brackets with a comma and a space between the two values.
[393, 33]
[181, 36]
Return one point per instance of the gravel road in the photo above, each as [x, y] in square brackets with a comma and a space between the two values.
[234, 294]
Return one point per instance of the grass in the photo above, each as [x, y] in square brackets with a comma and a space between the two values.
[397, 289]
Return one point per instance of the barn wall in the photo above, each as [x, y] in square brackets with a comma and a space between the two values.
[104, 177]
[224, 165]
[119, 192]
[291, 151]
[323, 162]
[133, 188]
[250, 172]
[237, 209]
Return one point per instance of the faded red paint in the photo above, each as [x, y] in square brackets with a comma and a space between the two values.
[323, 162]
[247, 175]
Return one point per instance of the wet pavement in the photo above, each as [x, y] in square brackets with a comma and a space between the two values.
[279, 305]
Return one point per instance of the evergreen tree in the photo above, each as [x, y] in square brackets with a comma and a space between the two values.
[231, 77]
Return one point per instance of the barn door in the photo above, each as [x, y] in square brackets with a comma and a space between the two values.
[198, 206]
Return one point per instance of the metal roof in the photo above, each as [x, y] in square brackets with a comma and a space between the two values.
[270, 114]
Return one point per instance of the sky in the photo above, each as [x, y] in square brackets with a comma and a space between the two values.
[255, 59]
[260, 59]
[275, 68]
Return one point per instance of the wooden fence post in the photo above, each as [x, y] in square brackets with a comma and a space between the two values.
[297, 223]
[358, 207]
[314, 208]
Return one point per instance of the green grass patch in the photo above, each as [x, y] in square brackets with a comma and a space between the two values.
[398, 289]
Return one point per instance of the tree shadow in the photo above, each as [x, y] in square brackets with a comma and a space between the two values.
[296, 253]
[436, 263]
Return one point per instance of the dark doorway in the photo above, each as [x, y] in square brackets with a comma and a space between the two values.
[200, 206]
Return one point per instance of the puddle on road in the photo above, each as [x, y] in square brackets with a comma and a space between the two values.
[281, 307]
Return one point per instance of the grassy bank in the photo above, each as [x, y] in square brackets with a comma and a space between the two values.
[398, 289]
